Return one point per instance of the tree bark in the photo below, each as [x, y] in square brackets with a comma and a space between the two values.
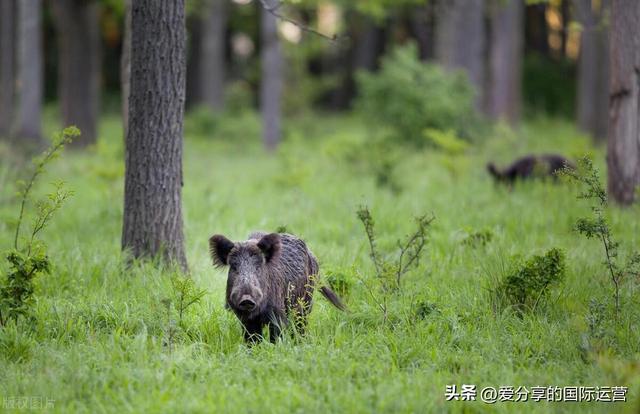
[7, 57]
[78, 27]
[125, 67]
[505, 60]
[28, 129]
[593, 70]
[623, 155]
[152, 222]
[211, 65]
[460, 42]
[272, 78]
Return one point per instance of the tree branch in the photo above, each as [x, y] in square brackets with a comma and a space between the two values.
[274, 11]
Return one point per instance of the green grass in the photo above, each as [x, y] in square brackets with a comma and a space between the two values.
[99, 341]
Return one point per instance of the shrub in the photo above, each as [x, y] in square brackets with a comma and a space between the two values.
[29, 259]
[409, 97]
[529, 283]
[597, 226]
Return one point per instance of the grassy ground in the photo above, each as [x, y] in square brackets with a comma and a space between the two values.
[103, 340]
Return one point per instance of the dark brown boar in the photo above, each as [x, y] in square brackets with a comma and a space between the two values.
[530, 166]
[271, 278]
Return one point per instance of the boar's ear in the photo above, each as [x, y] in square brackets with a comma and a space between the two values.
[270, 246]
[219, 247]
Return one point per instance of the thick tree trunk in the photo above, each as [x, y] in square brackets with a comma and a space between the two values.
[505, 60]
[460, 40]
[78, 27]
[7, 67]
[28, 129]
[623, 156]
[272, 78]
[211, 65]
[125, 67]
[593, 70]
[153, 178]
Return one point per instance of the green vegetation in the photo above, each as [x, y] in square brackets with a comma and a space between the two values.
[409, 97]
[106, 337]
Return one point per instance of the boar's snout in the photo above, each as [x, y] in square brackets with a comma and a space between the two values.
[246, 303]
[245, 300]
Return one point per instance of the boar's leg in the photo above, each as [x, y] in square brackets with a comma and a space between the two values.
[277, 323]
[252, 331]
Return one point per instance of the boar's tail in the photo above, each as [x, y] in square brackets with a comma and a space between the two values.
[333, 298]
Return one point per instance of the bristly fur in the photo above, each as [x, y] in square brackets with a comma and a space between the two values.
[219, 249]
[281, 283]
[270, 245]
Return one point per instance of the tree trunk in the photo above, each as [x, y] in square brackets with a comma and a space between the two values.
[460, 40]
[422, 23]
[7, 57]
[125, 67]
[77, 23]
[153, 167]
[566, 20]
[272, 78]
[366, 45]
[211, 65]
[536, 29]
[505, 60]
[28, 129]
[593, 71]
[623, 156]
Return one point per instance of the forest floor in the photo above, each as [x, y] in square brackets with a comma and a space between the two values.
[103, 340]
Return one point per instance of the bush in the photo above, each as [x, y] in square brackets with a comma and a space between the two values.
[525, 287]
[409, 97]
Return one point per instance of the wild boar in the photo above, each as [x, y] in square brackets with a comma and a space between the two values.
[271, 278]
[530, 166]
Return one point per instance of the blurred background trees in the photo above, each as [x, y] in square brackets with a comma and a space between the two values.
[521, 58]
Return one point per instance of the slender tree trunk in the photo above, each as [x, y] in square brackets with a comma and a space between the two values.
[623, 156]
[7, 57]
[505, 60]
[369, 45]
[566, 20]
[125, 67]
[77, 23]
[28, 128]
[366, 45]
[211, 68]
[536, 29]
[422, 22]
[153, 176]
[593, 70]
[460, 42]
[272, 78]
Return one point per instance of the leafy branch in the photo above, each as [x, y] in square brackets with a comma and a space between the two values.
[274, 11]
[598, 227]
[17, 288]
[409, 250]
[59, 141]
